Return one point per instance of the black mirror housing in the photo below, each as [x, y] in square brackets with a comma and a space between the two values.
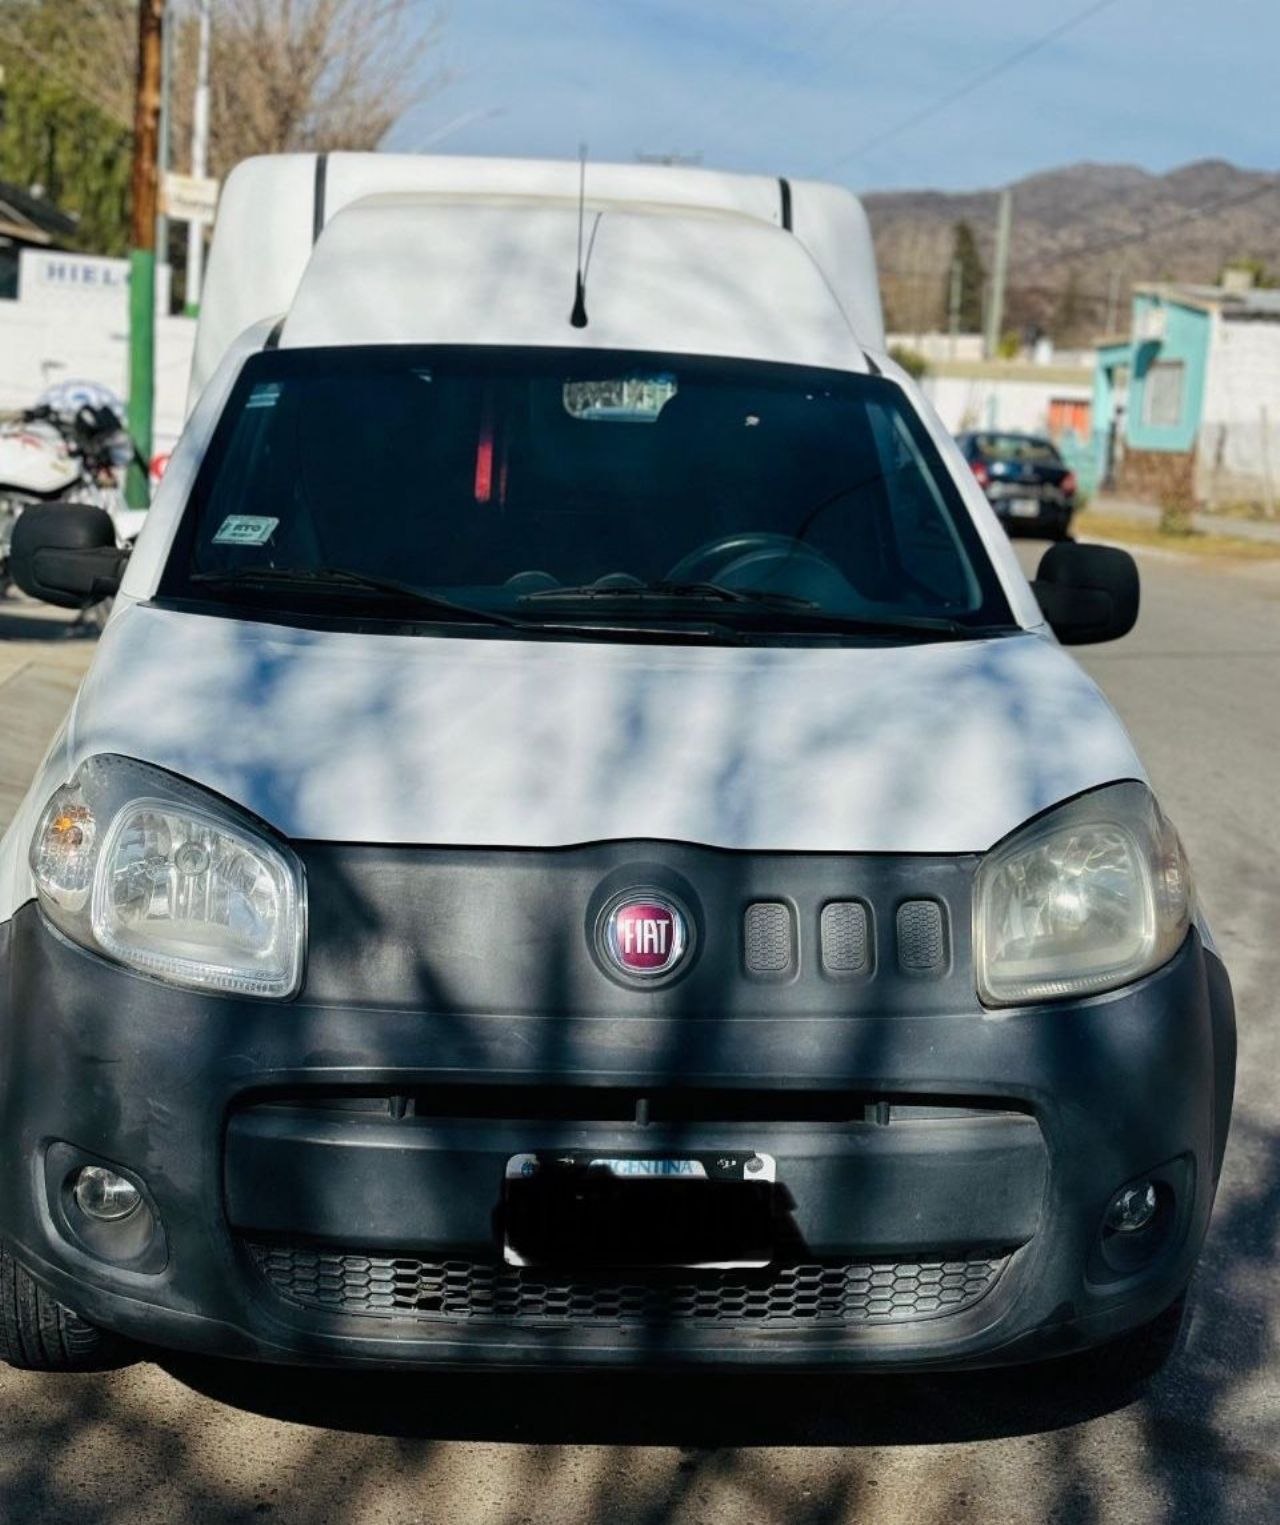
[1088, 593]
[66, 554]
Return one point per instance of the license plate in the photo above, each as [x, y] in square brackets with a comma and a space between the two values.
[591, 1208]
[1024, 508]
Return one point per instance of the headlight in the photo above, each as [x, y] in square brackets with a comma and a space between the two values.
[169, 880]
[1090, 896]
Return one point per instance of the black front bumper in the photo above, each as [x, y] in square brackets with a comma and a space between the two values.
[303, 1158]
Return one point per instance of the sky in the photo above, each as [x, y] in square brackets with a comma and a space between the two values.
[801, 87]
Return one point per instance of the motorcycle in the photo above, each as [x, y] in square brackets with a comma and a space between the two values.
[52, 454]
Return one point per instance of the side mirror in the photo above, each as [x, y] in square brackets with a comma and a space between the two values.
[66, 554]
[1088, 593]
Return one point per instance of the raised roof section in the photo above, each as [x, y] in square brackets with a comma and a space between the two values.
[420, 270]
[274, 209]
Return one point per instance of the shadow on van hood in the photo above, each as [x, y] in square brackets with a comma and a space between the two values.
[939, 747]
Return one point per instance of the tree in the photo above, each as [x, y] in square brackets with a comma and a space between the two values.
[1069, 318]
[973, 278]
[66, 132]
[304, 75]
[308, 75]
[911, 361]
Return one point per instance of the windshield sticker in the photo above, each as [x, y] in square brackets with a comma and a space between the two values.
[245, 529]
[265, 395]
[621, 399]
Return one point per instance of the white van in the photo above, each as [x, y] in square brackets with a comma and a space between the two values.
[579, 844]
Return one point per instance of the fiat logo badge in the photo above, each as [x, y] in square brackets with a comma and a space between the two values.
[645, 936]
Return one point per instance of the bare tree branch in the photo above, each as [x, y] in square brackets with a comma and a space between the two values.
[285, 75]
[313, 75]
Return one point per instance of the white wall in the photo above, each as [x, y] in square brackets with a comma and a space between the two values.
[1239, 447]
[39, 348]
[71, 323]
[937, 346]
[981, 402]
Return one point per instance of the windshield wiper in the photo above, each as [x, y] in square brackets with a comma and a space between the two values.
[344, 577]
[782, 611]
[925, 627]
[669, 592]
[306, 577]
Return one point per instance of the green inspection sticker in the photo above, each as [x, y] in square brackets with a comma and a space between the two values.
[245, 529]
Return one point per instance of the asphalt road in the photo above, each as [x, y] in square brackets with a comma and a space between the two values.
[1199, 684]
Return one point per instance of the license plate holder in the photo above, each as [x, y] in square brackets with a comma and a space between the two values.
[600, 1208]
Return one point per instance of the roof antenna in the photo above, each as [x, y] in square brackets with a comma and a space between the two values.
[578, 317]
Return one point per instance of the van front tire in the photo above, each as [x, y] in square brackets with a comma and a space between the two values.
[38, 1333]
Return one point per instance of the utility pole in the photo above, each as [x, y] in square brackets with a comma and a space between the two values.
[199, 163]
[919, 296]
[1113, 302]
[142, 257]
[164, 155]
[953, 305]
[995, 313]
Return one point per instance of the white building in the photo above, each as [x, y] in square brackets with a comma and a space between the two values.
[70, 322]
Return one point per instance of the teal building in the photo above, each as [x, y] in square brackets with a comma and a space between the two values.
[1180, 404]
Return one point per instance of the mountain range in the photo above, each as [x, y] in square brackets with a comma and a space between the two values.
[1081, 237]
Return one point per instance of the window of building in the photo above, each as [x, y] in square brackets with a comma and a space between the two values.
[1162, 394]
[1068, 415]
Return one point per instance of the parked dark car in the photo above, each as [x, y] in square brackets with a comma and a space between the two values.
[1025, 479]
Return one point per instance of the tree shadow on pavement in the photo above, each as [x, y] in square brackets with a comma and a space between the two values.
[32, 622]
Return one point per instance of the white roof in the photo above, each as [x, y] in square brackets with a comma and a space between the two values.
[274, 209]
[408, 269]
[1252, 302]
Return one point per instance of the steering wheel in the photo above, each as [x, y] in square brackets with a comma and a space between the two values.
[764, 559]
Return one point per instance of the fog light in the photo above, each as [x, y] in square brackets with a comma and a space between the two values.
[102, 1194]
[1132, 1208]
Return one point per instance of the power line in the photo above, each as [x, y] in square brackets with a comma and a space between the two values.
[784, 85]
[937, 277]
[936, 280]
[904, 277]
[740, 88]
[1105, 244]
[1122, 240]
[975, 82]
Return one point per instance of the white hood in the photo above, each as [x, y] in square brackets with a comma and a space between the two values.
[935, 748]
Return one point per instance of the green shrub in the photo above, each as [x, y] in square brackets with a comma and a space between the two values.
[1175, 517]
[911, 361]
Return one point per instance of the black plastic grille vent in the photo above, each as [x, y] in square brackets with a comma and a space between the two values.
[922, 938]
[845, 945]
[770, 940]
[842, 1294]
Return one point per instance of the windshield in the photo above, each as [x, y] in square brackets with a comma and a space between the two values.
[1017, 447]
[571, 488]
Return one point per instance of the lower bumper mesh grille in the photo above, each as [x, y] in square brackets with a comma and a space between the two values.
[456, 1289]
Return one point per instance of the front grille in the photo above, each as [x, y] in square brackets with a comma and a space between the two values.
[846, 945]
[922, 938]
[767, 939]
[456, 1289]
